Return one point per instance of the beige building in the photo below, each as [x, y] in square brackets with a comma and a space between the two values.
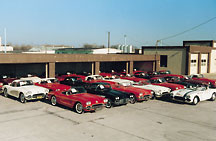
[191, 58]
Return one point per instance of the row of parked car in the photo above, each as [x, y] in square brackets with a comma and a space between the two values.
[92, 92]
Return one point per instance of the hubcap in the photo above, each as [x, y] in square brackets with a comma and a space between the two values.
[79, 108]
[195, 100]
[5, 93]
[22, 98]
[108, 105]
[213, 96]
[53, 100]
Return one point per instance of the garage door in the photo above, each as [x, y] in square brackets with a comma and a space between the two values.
[204, 63]
[194, 64]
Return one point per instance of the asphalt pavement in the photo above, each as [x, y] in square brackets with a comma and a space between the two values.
[153, 120]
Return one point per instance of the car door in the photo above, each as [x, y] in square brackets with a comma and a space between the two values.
[64, 98]
[203, 93]
[13, 89]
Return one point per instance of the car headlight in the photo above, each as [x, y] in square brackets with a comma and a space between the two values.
[105, 100]
[152, 92]
[185, 87]
[88, 103]
[176, 88]
[47, 91]
[131, 95]
[117, 98]
[29, 93]
[141, 94]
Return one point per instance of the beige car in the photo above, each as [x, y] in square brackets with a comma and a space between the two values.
[25, 90]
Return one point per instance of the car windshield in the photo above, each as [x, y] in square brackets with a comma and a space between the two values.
[26, 83]
[160, 80]
[104, 87]
[77, 90]
[98, 77]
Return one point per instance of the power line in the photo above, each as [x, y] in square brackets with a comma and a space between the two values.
[189, 29]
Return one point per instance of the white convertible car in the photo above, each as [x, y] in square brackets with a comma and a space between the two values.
[25, 90]
[159, 91]
[195, 95]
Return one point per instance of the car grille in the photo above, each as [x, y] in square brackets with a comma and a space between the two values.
[165, 93]
[179, 98]
[146, 96]
[97, 106]
[38, 95]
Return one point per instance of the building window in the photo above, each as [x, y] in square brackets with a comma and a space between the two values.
[163, 61]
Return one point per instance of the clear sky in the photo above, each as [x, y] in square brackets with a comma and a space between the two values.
[76, 22]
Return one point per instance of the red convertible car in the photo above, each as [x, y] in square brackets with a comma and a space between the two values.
[52, 84]
[78, 99]
[200, 77]
[138, 93]
[160, 81]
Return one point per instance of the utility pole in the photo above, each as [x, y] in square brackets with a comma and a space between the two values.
[125, 41]
[5, 41]
[108, 41]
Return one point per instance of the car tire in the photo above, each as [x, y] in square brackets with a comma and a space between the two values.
[5, 93]
[78, 108]
[213, 97]
[195, 100]
[133, 99]
[22, 98]
[53, 101]
[109, 104]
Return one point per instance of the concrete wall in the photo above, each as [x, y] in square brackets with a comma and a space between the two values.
[176, 58]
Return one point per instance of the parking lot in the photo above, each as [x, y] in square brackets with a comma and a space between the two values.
[151, 120]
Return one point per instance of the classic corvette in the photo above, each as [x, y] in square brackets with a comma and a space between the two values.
[52, 84]
[162, 82]
[138, 93]
[25, 90]
[158, 91]
[78, 99]
[105, 90]
[194, 95]
[72, 81]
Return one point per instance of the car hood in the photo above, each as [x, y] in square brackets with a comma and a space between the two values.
[85, 97]
[170, 85]
[117, 93]
[131, 89]
[183, 92]
[34, 89]
[153, 87]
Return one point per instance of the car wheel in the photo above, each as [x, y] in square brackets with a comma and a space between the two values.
[213, 97]
[5, 93]
[109, 104]
[132, 99]
[78, 108]
[53, 101]
[22, 98]
[195, 100]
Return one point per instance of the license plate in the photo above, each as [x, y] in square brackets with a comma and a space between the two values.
[39, 96]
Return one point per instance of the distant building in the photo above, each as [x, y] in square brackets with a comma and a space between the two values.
[87, 51]
[191, 58]
[45, 50]
[3, 48]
